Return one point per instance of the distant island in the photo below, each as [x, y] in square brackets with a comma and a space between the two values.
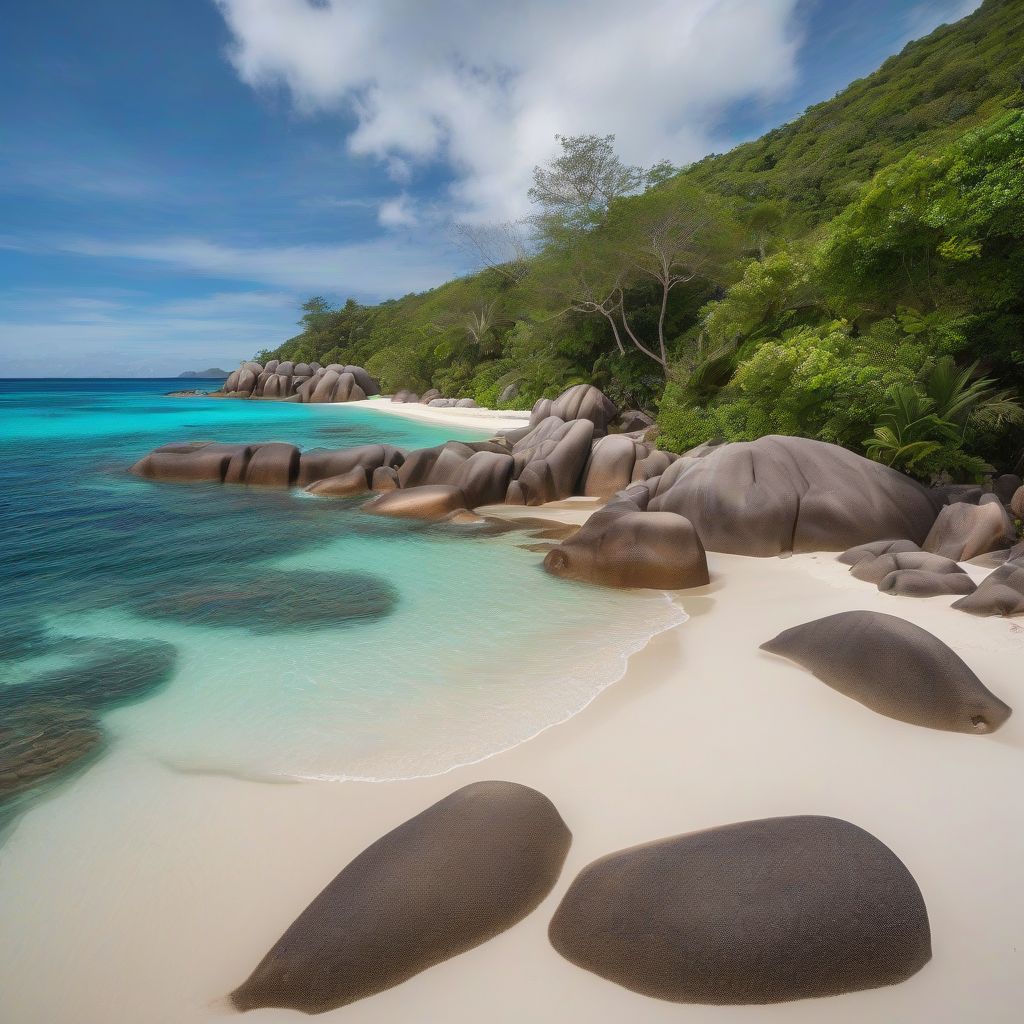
[211, 373]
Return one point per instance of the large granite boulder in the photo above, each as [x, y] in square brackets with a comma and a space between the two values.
[405, 396]
[429, 395]
[895, 668]
[1000, 593]
[1004, 487]
[549, 461]
[1017, 503]
[756, 912]
[610, 466]
[198, 462]
[782, 494]
[620, 546]
[580, 402]
[273, 465]
[355, 481]
[964, 531]
[454, 876]
[321, 463]
[428, 501]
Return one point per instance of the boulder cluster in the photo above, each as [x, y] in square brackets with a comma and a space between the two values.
[300, 382]
[976, 527]
[433, 398]
[771, 496]
[753, 912]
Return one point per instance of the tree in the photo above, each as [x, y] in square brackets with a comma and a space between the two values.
[577, 187]
[679, 234]
[502, 247]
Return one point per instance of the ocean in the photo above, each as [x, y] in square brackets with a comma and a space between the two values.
[260, 633]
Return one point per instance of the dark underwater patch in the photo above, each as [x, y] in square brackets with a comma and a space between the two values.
[275, 601]
[49, 723]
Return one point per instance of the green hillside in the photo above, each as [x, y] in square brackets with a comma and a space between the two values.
[855, 275]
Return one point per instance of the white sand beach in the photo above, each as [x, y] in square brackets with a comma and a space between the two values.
[155, 893]
[485, 419]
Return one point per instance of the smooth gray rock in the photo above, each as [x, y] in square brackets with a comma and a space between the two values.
[922, 583]
[461, 872]
[756, 912]
[874, 570]
[877, 547]
[658, 550]
[1000, 593]
[964, 531]
[782, 494]
[895, 668]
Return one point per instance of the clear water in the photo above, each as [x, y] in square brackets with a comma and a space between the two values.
[288, 636]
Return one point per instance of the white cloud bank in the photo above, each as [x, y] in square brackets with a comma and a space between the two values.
[484, 87]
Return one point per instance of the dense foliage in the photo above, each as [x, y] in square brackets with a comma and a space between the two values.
[856, 275]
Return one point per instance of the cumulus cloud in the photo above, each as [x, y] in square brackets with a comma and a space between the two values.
[483, 88]
[397, 213]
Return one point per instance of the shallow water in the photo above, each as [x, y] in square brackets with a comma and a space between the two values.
[264, 633]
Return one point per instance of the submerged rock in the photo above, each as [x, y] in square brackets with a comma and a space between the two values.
[457, 874]
[276, 601]
[342, 486]
[39, 741]
[431, 501]
[895, 668]
[757, 912]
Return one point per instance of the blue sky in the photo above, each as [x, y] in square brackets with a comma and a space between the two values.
[177, 176]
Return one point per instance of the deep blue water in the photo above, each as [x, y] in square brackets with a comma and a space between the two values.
[257, 631]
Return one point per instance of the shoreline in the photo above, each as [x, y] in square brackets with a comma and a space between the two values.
[701, 729]
[485, 419]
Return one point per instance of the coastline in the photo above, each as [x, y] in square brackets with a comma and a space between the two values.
[702, 729]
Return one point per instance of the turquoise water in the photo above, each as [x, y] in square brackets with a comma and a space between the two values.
[264, 633]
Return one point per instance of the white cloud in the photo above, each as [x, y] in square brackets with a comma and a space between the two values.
[397, 213]
[484, 88]
[377, 268]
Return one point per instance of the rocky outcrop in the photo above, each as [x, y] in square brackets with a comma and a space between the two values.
[1000, 593]
[271, 464]
[782, 494]
[895, 668]
[307, 382]
[756, 912]
[964, 531]
[581, 402]
[620, 546]
[452, 877]
[548, 462]
[405, 396]
[321, 463]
